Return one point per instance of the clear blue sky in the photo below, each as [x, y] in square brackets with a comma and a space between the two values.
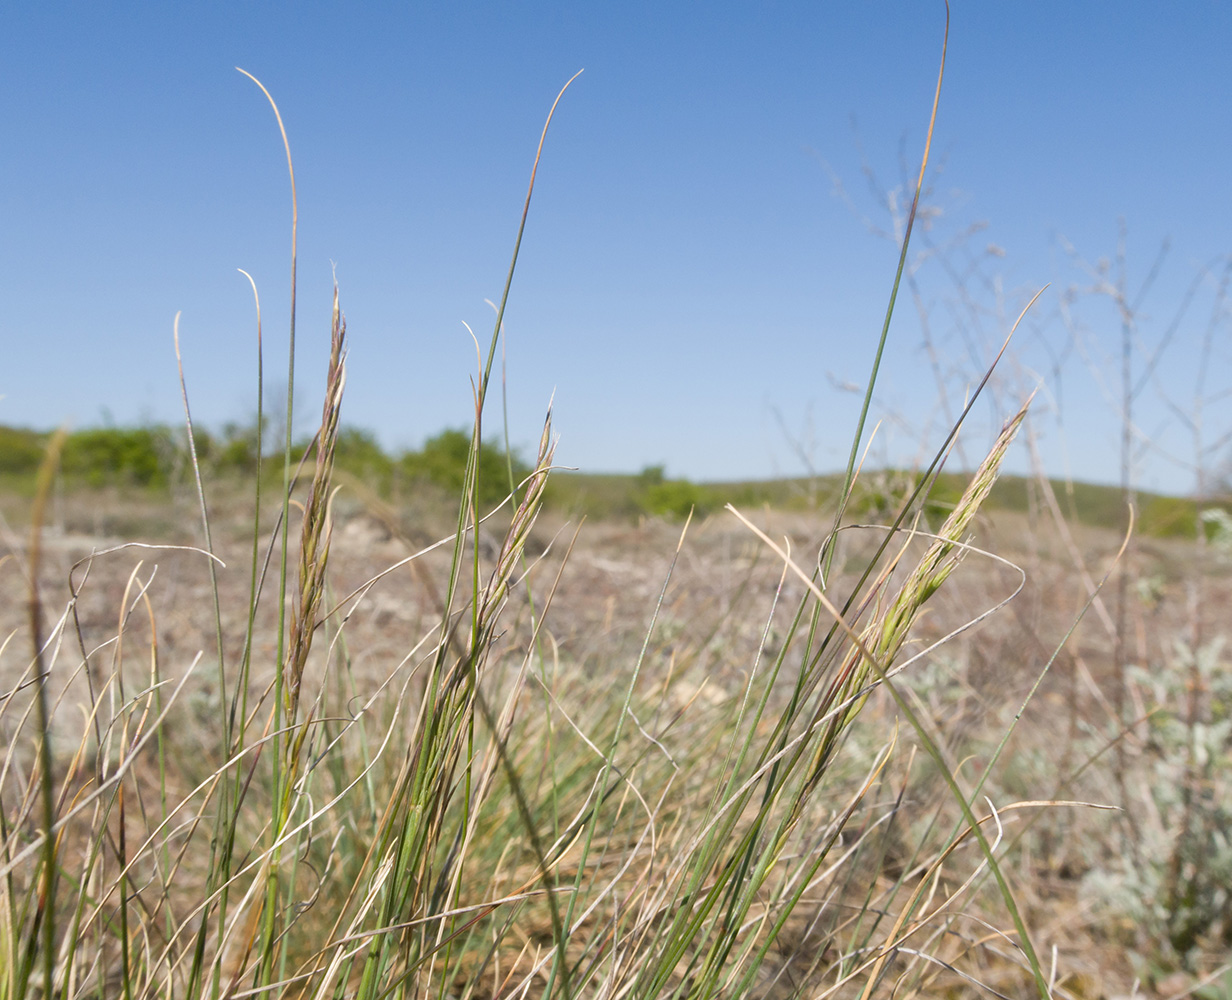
[689, 275]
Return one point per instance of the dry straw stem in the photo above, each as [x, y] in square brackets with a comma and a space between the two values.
[905, 928]
[45, 914]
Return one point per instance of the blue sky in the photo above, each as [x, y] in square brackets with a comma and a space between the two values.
[692, 285]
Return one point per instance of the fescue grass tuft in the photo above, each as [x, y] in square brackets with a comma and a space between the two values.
[479, 816]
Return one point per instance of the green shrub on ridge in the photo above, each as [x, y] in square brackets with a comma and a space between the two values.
[442, 462]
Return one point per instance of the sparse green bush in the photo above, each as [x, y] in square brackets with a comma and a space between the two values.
[237, 450]
[359, 453]
[443, 459]
[107, 456]
[651, 476]
[21, 450]
[676, 497]
[1169, 517]
[882, 493]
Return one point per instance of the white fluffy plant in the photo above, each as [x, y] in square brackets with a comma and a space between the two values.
[1176, 884]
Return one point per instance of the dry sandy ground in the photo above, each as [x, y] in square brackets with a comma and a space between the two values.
[599, 603]
[719, 591]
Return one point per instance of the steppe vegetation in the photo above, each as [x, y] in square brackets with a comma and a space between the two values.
[338, 723]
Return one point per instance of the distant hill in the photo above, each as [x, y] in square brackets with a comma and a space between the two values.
[878, 494]
[156, 458]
